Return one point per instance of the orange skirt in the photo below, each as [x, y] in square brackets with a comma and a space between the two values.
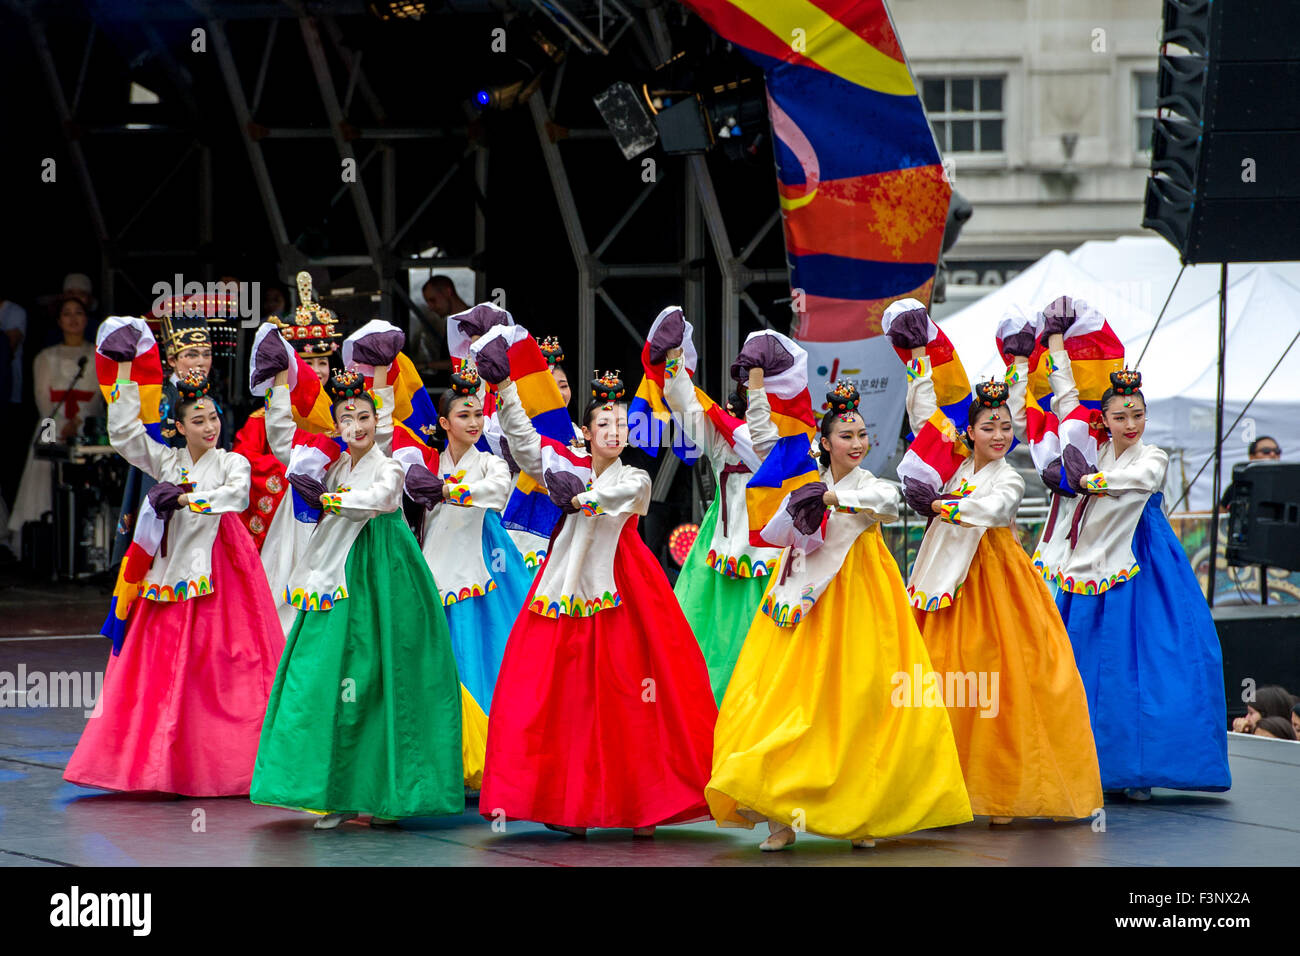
[1014, 695]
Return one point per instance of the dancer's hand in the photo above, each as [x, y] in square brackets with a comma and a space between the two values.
[670, 335]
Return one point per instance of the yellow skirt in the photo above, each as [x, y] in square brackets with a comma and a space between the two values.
[1026, 748]
[473, 739]
[813, 732]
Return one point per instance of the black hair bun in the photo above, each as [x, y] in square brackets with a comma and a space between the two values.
[1126, 381]
[608, 387]
[552, 351]
[991, 394]
[345, 383]
[465, 381]
[843, 398]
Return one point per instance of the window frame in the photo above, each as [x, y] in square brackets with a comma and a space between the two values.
[976, 115]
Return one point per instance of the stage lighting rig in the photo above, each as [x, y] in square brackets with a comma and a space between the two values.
[530, 54]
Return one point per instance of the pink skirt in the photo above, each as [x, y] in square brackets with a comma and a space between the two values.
[182, 705]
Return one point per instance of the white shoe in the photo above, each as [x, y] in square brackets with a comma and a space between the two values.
[863, 844]
[332, 820]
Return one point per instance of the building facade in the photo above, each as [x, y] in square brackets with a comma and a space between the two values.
[1042, 110]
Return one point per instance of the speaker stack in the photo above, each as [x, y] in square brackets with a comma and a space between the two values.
[1224, 184]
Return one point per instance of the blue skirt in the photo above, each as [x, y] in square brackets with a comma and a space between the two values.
[1149, 657]
[480, 625]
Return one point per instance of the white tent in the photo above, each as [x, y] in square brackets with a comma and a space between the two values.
[972, 329]
[1129, 280]
[1180, 374]
[1144, 268]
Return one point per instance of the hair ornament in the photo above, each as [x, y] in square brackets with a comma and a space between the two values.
[465, 381]
[991, 394]
[843, 399]
[1126, 382]
[608, 387]
[345, 383]
[551, 351]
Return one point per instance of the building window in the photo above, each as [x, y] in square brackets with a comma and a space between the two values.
[1144, 110]
[965, 112]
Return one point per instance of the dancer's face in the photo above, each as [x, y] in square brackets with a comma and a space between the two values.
[320, 364]
[463, 422]
[607, 431]
[356, 424]
[847, 442]
[1126, 417]
[195, 357]
[991, 433]
[562, 380]
[200, 426]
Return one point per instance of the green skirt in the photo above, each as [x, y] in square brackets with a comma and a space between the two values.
[364, 716]
[718, 608]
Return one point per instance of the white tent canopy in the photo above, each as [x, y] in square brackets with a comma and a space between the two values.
[1131, 281]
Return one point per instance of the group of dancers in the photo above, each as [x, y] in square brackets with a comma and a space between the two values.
[343, 616]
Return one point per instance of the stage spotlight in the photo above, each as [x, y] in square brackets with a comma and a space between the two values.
[680, 540]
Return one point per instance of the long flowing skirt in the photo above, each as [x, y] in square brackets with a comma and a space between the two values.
[365, 713]
[480, 626]
[719, 608]
[1150, 660]
[607, 720]
[820, 730]
[183, 702]
[1017, 705]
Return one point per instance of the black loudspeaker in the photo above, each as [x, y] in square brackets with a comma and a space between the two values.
[1264, 516]
[1222, 186]
[1260, 645]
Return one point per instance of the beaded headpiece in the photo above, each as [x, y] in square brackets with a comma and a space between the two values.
[192, 387]
[552, 351]
[312, 331]
[465, 381]
[1126, 381]
[991, 394]
[843, 398]
[608, 387]
[344, 384]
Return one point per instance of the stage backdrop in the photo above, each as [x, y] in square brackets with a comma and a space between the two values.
[863, 194]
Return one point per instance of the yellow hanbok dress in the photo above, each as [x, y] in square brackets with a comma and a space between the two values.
[820, 728]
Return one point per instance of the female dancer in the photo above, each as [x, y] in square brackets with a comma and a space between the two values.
[820, 729]
[482, 578]
[1141, 631]
[530, 516]
[183, 701]
[1014, 696]
[313, 338]
[602, 715]
[365, 713]
[66, 396]
[724, 576]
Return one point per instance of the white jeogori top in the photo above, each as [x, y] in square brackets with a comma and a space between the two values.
[287, 537]
[578, 577]
[453, 530]
[730, 552]
[221, 482]
[1102, 525]
[988, 499]
[864, 500]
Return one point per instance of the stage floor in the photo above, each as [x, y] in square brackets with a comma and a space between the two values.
[46, 821]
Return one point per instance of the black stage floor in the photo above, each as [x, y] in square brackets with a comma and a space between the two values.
[46, 821]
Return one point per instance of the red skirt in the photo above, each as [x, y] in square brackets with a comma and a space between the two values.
[603, 721]
[182, 705]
